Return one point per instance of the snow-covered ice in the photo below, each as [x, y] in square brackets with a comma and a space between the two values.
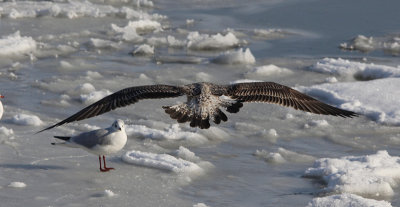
[17, 184]
[197, 41]
[58, 56]
[26, 120]
[161, 161]
[235, 57]
[372, 175]
[17, 45]
[359, 70]
[347, 200]
[373, 99]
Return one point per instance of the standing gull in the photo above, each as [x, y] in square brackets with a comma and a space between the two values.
[205, 99]
[100, 142]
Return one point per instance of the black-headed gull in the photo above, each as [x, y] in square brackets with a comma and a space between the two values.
[100, 142]
[205, 99]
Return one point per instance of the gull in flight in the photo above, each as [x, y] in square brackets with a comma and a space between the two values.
[100, 142]
[204, 101]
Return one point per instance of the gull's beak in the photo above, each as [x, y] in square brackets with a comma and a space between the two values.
[1, 96]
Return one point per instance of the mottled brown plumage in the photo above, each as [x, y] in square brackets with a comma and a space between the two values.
[205, 99]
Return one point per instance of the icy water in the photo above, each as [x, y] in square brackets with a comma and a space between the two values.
[58, 56]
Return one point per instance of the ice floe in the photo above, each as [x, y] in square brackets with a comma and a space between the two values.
[131, 32]
[282, 156]
[235, 57]
[4, 131]
[270, 33]
[144, 49]
[70, 9]
[267, 70]
[389, 44]
[175, 132]
[17, 184]
[371, 175]
[17, 45]
[373, 98]
[197, 41]
[161, 161]
[363, 71]
[347, 200]
[94, 96]
[26, 120]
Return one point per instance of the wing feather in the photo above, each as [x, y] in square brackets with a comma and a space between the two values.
[122, 98]
[271, 92]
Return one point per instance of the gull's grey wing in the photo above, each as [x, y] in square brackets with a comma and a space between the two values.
[271, 92]
[122, 98]
[91, 139]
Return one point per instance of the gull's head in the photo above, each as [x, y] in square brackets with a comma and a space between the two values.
[118, 125]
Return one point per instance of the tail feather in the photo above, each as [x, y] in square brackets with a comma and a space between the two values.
[234, 107]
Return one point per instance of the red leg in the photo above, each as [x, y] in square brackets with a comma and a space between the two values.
[105, 166]
[101, 169]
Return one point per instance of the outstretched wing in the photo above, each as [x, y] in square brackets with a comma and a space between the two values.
[270, 92]
[122, 98]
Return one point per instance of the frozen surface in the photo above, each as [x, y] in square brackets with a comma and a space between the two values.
[17, 45]
[370, 175]
[347, 200]
[373, 99]
[58, 56]
[359, 70]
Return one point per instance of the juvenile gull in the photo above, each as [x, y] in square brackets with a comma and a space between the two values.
[100, 142]
[205, 99]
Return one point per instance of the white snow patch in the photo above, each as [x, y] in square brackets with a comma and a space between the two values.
[200, 205]
[144, 49]
[317, 123]
[131, 31]
[197, 41]
[389, 44]
[186, 154]
[364, 71]
[174, 132]
[94, 96]
[270, 33]
[17, 185]
[347, 200]
[161, 161]
[282, 156]
[70, 9]
[26, 120]
[267, 70]
[108, 193]
[16, 45]
[373, 98]
[85, 88]
[100, 43]
[370, 175]
[235, 57]
[6, 132]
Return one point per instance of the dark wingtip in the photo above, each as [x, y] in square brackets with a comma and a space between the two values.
[50, 127]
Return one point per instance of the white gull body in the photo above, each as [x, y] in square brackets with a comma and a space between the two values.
[100, 142]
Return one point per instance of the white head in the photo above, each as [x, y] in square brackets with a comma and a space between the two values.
[118, 125]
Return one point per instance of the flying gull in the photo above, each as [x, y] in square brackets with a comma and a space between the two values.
[204, 101]
[100, 142]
